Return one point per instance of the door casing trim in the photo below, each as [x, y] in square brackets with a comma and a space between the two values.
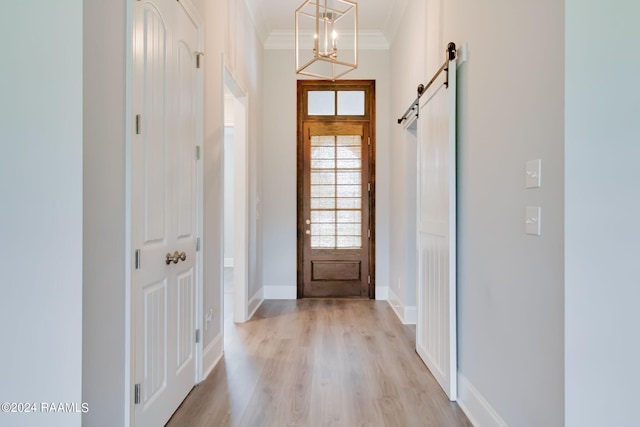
[303, 87]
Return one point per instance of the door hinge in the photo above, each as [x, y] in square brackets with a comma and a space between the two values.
[369, 279]
[199, 56]
[198, 244]
[369, 233]
[137, 259]
[136, 394]
[197, 152]
[369, 138]
[138, 124]
[369, 187]
[197, 336]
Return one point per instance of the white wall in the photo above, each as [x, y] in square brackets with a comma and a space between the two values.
[104, 292]
[244, 59]
[511, 295]
[231, 41]
[41, 209]
[510, 285]
[279, 169]
[228, 194]
[407, 71]
[602, 210]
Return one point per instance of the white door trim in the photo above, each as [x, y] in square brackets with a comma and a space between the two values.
[241, 198]
[129, 357]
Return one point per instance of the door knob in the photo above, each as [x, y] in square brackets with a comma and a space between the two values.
[308, 222]
[308, 231]
[175, 257]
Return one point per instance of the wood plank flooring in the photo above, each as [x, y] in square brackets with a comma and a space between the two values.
[319, 362]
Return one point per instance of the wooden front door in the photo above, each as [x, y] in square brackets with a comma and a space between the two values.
[336, 211]
[335, 193]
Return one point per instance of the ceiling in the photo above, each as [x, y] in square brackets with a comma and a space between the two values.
[277, 16]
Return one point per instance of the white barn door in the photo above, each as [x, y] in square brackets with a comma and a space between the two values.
[166, 87]
[436, 231]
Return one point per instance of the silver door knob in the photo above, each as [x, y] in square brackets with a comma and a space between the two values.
[308, 231]
[308, 222]
[175, 258]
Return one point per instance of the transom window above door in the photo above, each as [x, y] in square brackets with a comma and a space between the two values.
[336, 103]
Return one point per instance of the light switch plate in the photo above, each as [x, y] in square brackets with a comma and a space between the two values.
[532, 220]
[534, 173]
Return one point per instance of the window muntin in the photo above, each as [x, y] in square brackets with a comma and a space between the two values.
[336, 192]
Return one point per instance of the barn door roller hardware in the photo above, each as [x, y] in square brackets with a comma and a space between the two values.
[415, 105]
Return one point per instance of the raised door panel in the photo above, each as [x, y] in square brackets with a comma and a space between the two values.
[155, 343]
[185, 138]
[185, 317]
[154, 124]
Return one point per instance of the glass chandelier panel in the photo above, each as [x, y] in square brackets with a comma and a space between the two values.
[326, 36]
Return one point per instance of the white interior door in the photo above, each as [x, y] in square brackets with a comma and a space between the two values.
[436, 228]
[164, 222]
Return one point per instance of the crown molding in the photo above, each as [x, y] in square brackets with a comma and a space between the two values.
[285, 40]
[394, 18]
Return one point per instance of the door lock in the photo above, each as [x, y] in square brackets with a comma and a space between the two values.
[175, 258]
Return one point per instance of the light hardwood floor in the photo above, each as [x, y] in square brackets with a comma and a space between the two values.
[319, 362]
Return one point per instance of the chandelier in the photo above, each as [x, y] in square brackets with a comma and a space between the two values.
[326, 36]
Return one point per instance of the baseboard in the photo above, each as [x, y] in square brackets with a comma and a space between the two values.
[410, 315]
[396, 305]
[407, 315]
[382, 293]
[280, 292]
[212, 355]
[228, 262]
[475, 406]
[255, 302]
[291, 293]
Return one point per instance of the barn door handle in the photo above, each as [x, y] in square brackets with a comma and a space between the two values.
[175, 258]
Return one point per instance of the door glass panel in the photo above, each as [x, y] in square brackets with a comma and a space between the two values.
[336, 192]
[351, 103]
[323, 177]
[323, 203]
[322, 103]
[349, 203]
